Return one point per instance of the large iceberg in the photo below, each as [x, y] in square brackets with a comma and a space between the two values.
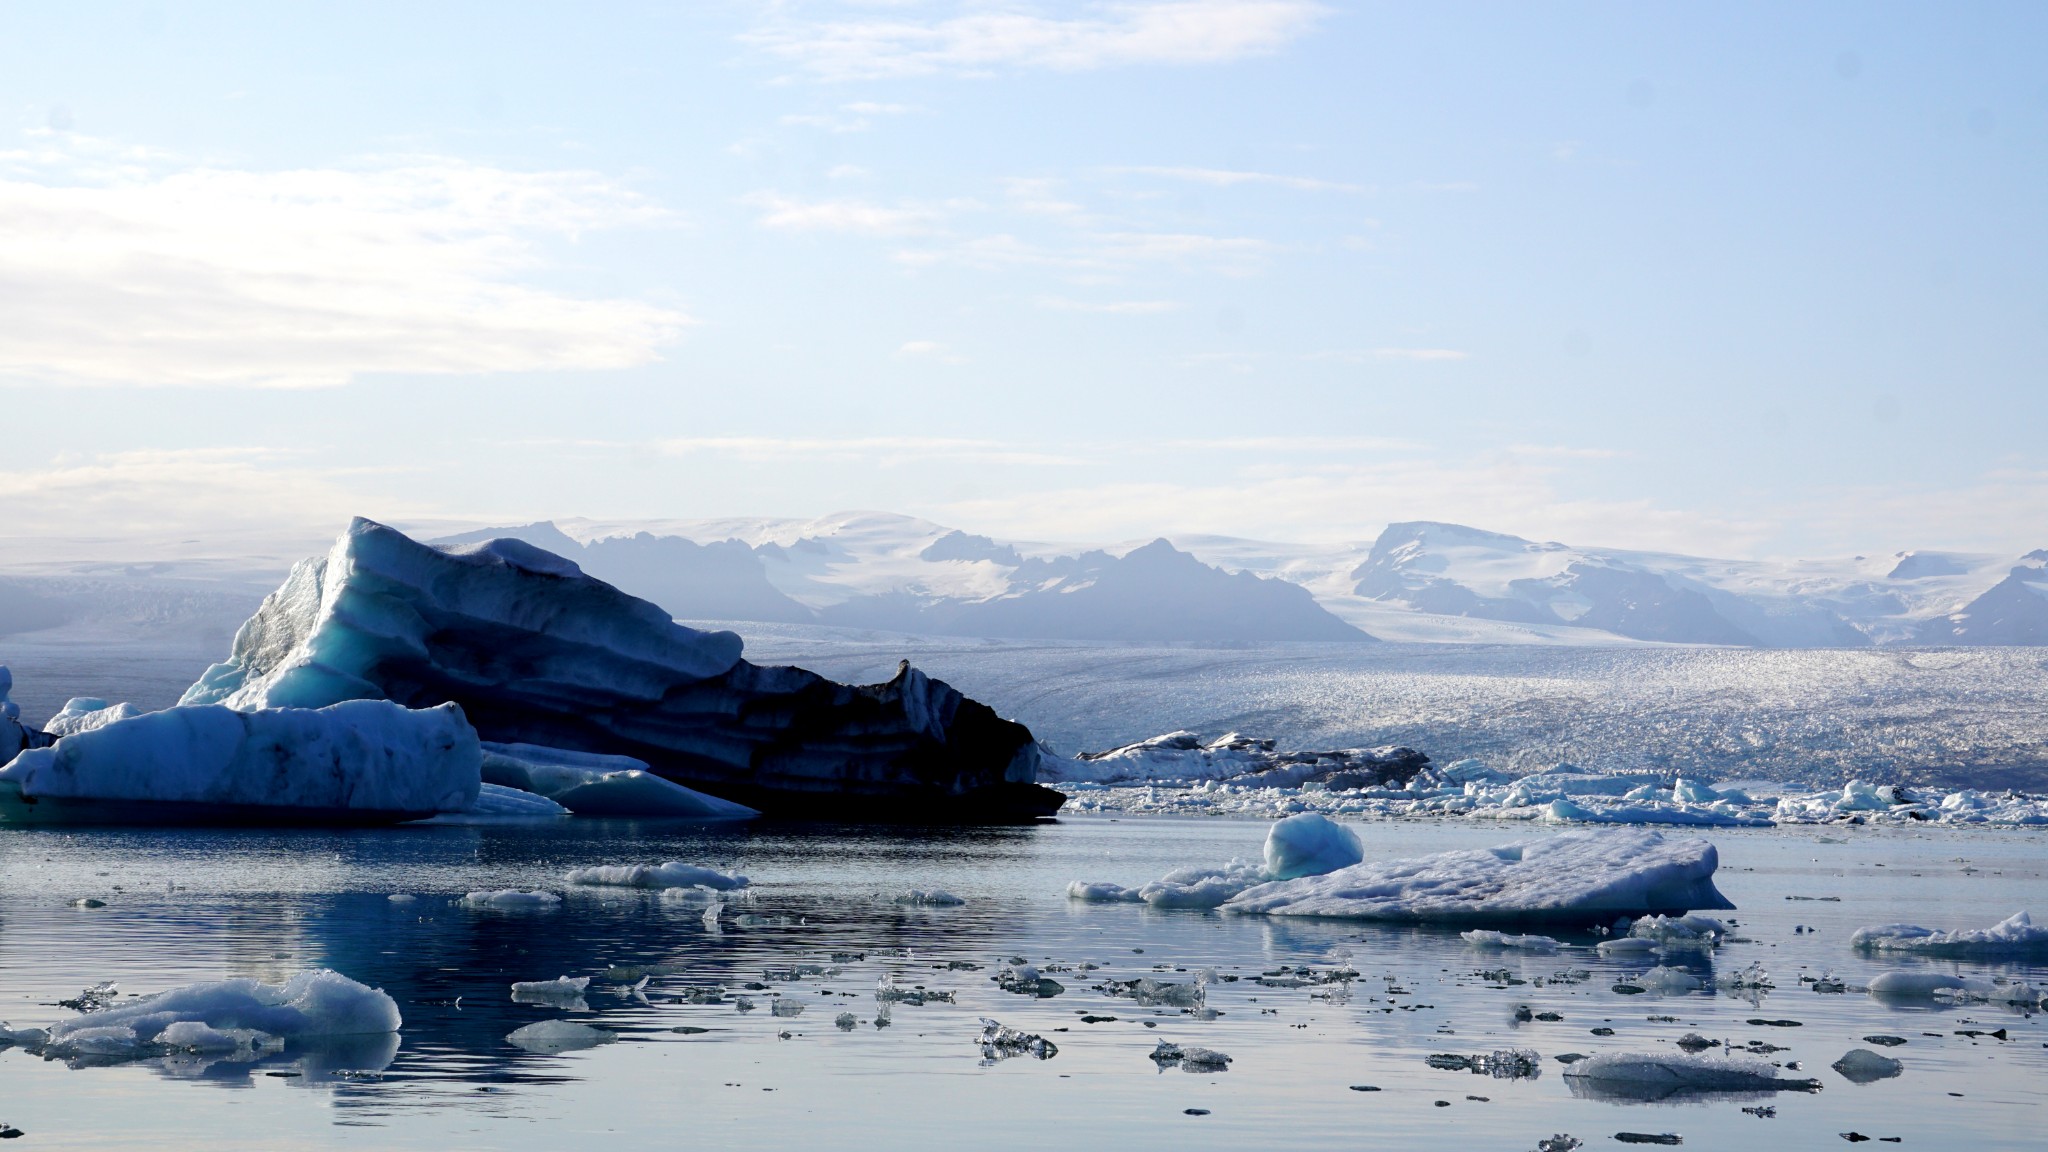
[536, 652]
[355, 762]
[1571, 877]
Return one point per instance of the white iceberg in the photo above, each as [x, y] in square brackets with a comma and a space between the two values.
[1666, 981]
[560, 988]
[1571, 877]
[1862, 1066]
[85, 713]
[590, 784]
[1653, 1075]
[1902, 984]
[512, 900]
[314, 1004]
[1488, 939]
[2015, 936]
[199, 1036]
[673, 874]
[1102, 892]
[553, 1037]
[1310, 844]
[364, 759]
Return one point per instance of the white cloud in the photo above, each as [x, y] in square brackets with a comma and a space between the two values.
[884, 451]
[118, 267]
[1112, 307]
[979, 42]
[788, 213]
[1226, 178]
[1419, 354]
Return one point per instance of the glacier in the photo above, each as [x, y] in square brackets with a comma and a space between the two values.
[362, 761]
[536, 652]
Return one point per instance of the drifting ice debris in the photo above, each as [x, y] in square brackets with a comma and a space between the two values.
[1649, 1138]
[594, 785]
[537, 652]
[674, 874]
[1571, 877]
[1627, 946]
[362, 761]
[2015, 936]
[1000, 1042]
[846, 1021]
[558, 990]
[935, 898]
[1487, 939]
[315, 1003]
[511, 900]
[92, 999]
[1680, 933]
[1501, 1064]
[1656, 1075]
[783, 1006]
[1750, 977]
[1304, 845]
[1152, 993]
[1667, 981]
[1189, 1059]
[1862, 1066]
[1562, 1142]
[552, 1037]
[1025, 980]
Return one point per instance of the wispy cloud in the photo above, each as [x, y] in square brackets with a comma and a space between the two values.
[1362, 356]
[981, 42]
[886, 451]
[1111, 307]
[1228, 178]
[126, 267]
[788, 213]
[854, 117]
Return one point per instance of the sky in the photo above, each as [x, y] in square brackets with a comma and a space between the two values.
[1732, 279]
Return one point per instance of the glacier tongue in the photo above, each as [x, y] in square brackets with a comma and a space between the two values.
[537, 652]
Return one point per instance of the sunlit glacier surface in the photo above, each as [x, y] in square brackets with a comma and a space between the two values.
[825, 928]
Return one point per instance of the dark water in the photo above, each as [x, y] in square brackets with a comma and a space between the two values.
[191, 905]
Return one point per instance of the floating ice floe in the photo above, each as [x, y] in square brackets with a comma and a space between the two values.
[1862, 1066]
[538, 652]
[1903, 984]
[922, 898]
[512, 900]
[495, 804]
[1301, 845]
[1189, 1059]
[561, 988]
[1666, 981]
[1568, 878]
[313, 1005]
[594, 785]
[358, 761]
[673, 874]
[1656, 1075]
[553, 1037]
[1489, 939]
[2015, 936]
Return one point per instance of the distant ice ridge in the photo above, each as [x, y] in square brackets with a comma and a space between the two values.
[2017, 936]
[536, 652]
[363, 756]
[595, 785]
[1574, 877]
[1184, 757]
[1563, 794]
[220, 1015]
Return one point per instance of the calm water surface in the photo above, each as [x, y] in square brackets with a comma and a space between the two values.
[185, 906]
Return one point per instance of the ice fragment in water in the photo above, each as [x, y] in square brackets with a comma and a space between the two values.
[2016, 936]
[673, 874]
[315, 1003]
[1190, 1059]
[934, 898]
[1862, 1066]
[1309, 844]
[549, 1037]
[1656, 1075]
[1000, 1042]
[512, 900]
[1488, 939]
[558, 990]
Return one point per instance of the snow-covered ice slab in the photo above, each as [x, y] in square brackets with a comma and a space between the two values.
[2014, 937]
[1568, 878]
[673, 874]
[1660, 1075]
[360, 761]
[315, 1004]
[537, 652]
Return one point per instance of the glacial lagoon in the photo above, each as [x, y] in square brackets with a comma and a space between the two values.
[817, 1009]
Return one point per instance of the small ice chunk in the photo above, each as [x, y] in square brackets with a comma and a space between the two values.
[549, 1037]
[1099, 892]
[935, 898]
[1488, 939]
[1897, 983]
[1190, 1059]
[1668, 980]
[2015, 936]
[1627, 946]
[1654, 1075]
[1862, 1066]
[512, 900]
[1310, 844]
[549, 991]
[673, 874]
[999, 1041]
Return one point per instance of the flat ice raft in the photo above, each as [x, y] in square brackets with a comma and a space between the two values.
[365, 761]
[1572, 877]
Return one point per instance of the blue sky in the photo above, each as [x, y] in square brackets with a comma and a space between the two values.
[1735, 279]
